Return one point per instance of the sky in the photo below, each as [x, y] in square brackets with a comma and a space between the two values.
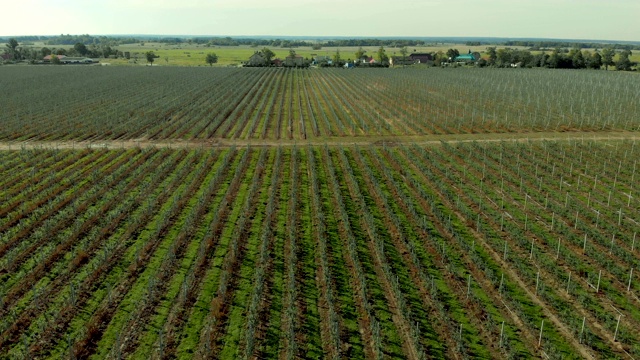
[554, 19]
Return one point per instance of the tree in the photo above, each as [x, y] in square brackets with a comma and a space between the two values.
[81, 49]
[492, 55]
[382, 55]
[211, 59]
[268, 55]
[543, 60]
[336, 58]
[623, 62]
[607, 57]
[452, 54]
[360, 53]
[404, 52]
[12, 50]
[503, 57]
[151, 56]
[554, 59]
[55, 60]
[594, 61]
[316, 46]
[578, 60]
[12, 44]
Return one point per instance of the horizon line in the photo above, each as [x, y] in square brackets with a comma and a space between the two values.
[341, 37]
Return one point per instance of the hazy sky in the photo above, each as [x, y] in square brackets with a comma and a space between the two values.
[567, 19]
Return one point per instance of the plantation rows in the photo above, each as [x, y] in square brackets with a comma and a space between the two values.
[103, 103]
[373, 252]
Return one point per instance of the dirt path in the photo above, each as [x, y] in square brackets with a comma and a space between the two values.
[330, 141]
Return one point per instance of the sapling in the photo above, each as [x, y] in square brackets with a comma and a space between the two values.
[613, 238]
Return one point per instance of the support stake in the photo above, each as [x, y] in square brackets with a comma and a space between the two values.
[540, 338]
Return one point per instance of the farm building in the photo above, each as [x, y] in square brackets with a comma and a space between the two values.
[421, 58]
[76, 60]
[318, 59]
[257, 59]
[399, 60]
[294, 60]
[467, 57]
[49, 57]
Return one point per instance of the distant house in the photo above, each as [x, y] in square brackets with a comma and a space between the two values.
[421, 58]
[294, 60]
[467, 58]
[6, 56]
[48, 57]
[399, 60]
[76, 60]
[319, 59]
[257, 59]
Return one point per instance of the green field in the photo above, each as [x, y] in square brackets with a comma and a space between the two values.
[135, 103]
[242, 213]
[186, 54]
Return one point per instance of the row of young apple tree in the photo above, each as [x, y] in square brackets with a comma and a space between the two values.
[194, 103]
[366, 252]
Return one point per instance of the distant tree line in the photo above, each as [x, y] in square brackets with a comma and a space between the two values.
[84, 39]
[17, 52]
[559, 59]
[229, 41]
[373, 42]
[537, 45]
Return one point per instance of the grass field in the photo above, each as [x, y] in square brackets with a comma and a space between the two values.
[179, 213]
[194, 54]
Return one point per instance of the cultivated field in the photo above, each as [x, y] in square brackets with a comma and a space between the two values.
[93, 103]
[332, 229]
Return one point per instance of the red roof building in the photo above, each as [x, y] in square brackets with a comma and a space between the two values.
[48, 57]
